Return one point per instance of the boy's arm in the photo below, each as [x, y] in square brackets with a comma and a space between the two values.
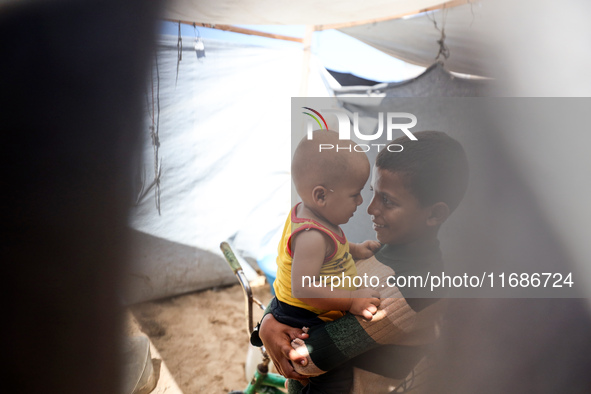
[332, 344]
[396, 322]
[309, 249]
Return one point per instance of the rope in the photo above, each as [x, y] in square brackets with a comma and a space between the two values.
[443, 49]
[179, 48]
[156, 141]
[153, 108]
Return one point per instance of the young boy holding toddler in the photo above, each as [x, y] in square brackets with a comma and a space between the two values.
[415, 191]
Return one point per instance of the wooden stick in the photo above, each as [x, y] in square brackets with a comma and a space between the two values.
[241, 30]
[306, 60]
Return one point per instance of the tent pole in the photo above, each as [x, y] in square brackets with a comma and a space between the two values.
[236, 29]
[306, 60]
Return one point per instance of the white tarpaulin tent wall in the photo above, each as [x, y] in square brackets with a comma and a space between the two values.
[219, 180]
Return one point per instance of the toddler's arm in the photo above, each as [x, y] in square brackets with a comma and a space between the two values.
[309, 250]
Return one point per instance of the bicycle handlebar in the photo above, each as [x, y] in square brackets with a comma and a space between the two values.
[230, 257]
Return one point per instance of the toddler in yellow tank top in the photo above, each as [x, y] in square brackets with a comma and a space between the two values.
[313, 247]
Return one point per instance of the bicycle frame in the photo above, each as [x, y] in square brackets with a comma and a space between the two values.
[263, 381]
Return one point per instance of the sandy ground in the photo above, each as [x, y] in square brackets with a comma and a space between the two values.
[201, 337]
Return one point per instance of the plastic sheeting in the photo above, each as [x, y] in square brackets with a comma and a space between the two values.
[412, 39]
[415, 39]
[286, 12]
[435, 81]
[224, 137]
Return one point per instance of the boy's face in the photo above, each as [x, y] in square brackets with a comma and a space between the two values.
[342, 201]
[397, 215]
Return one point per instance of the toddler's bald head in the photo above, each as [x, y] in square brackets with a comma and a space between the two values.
[312, 167]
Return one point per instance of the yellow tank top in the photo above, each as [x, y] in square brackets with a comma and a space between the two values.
[339, 263]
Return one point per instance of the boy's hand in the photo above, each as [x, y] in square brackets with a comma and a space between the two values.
[365, 303]
[277, 339]
[364, 250]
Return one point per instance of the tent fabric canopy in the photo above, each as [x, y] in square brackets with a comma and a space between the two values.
[414, 40]
[224, 149]
[286, 12]
[436, 81]
[348, 79]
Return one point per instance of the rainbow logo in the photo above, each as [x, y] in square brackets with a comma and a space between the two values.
[315, 118]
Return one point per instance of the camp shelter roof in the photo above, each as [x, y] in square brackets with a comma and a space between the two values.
[415, 39]
[399, 28]
[286, 12]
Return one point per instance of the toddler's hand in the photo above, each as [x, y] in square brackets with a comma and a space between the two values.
[306, 368]
[365, 303]
[365, 250]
